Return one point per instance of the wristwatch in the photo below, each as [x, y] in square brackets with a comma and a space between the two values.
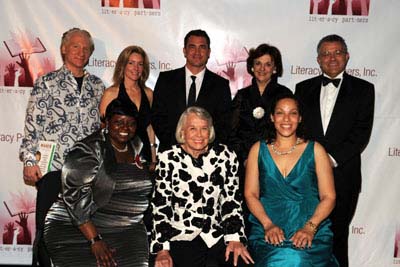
[95, 239]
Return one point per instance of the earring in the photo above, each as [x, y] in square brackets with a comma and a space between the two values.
[274, 71]
[252, 69]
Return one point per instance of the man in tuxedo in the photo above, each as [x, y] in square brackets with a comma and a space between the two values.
[339, 112]
[190, 85]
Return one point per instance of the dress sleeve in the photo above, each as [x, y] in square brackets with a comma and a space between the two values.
[234, 138]
[161, 205]
[231, 202]
[78, 177]
[222, 116]
[35, 120]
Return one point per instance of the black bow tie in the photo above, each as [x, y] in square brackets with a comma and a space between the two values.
[326, 80]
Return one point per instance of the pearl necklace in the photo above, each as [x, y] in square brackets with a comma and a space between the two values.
[282, 153]
[125, 149]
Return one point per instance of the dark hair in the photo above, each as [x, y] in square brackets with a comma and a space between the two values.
[265, 49]
[121, 108]
[332, 38]
[198, 33]
[270, 135]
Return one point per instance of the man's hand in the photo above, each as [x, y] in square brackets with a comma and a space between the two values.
[32, 174]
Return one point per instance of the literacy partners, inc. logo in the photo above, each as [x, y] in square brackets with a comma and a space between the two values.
[335, 11]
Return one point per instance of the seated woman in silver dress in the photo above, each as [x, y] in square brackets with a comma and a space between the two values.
[105, 191]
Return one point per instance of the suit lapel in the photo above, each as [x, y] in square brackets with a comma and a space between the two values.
[316, 108]
[206, 86]
[181, 89]
[340, 105]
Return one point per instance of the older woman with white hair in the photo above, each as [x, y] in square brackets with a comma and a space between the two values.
[196, 203]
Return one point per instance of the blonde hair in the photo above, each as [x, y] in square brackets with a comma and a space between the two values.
[122, 61]
[202, 114]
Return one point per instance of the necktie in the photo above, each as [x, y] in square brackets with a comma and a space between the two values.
[192, 92]
[326, 80]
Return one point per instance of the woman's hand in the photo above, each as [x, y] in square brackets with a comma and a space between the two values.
[104, 255]
[274, 235]
[163, 259]
[303, 237]
[238, 249]
[152, 166]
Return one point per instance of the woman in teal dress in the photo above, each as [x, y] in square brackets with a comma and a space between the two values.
[289, 190]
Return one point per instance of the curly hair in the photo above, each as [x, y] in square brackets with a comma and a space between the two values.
[270, 134]
[265, 49]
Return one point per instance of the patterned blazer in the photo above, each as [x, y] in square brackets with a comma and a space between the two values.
[196, 197]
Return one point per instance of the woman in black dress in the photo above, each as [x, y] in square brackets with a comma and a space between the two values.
[252, 104]
[105, 192]
[129, 85]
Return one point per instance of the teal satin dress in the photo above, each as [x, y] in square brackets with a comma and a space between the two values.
[290, 201]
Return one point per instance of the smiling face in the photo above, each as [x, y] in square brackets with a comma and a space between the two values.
[332, 58]
[196, 134]
[196, 53]
[121, 129]
[134, 67]
[76, 52]
[286, 117]
[263, 68]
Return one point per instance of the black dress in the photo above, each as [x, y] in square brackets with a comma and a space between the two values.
[246, 128]
[143, 120]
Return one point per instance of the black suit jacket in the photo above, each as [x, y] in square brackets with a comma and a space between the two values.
[169, 101]
[349, 128]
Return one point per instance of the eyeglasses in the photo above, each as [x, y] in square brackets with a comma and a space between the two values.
[336, 53]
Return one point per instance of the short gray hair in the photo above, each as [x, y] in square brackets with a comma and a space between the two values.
[202, 114]
[67, 35]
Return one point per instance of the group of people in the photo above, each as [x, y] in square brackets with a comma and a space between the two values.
[293, 158]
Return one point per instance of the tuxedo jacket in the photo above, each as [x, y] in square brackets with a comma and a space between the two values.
[169, 101]
[349, 128]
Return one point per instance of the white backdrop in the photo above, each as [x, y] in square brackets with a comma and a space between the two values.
[234, 26]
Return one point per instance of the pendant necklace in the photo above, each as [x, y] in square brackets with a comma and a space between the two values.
[282, 153]
[125, 149]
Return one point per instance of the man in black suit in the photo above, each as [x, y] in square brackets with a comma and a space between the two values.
[177, 89]
[339, 112]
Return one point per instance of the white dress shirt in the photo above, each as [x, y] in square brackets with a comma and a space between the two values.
[198, 81]
[328, 98]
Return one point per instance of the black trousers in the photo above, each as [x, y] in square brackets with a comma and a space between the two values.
[341, 216]
[48, 188]
[195, 253]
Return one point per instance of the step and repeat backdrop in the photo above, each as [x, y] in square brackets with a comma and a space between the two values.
[370, 27]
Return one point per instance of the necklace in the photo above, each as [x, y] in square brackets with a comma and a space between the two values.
[125, 149]
[282, 153]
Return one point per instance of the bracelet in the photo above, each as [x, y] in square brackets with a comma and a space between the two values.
[95, 239]
[153, 145]
[313, 226]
